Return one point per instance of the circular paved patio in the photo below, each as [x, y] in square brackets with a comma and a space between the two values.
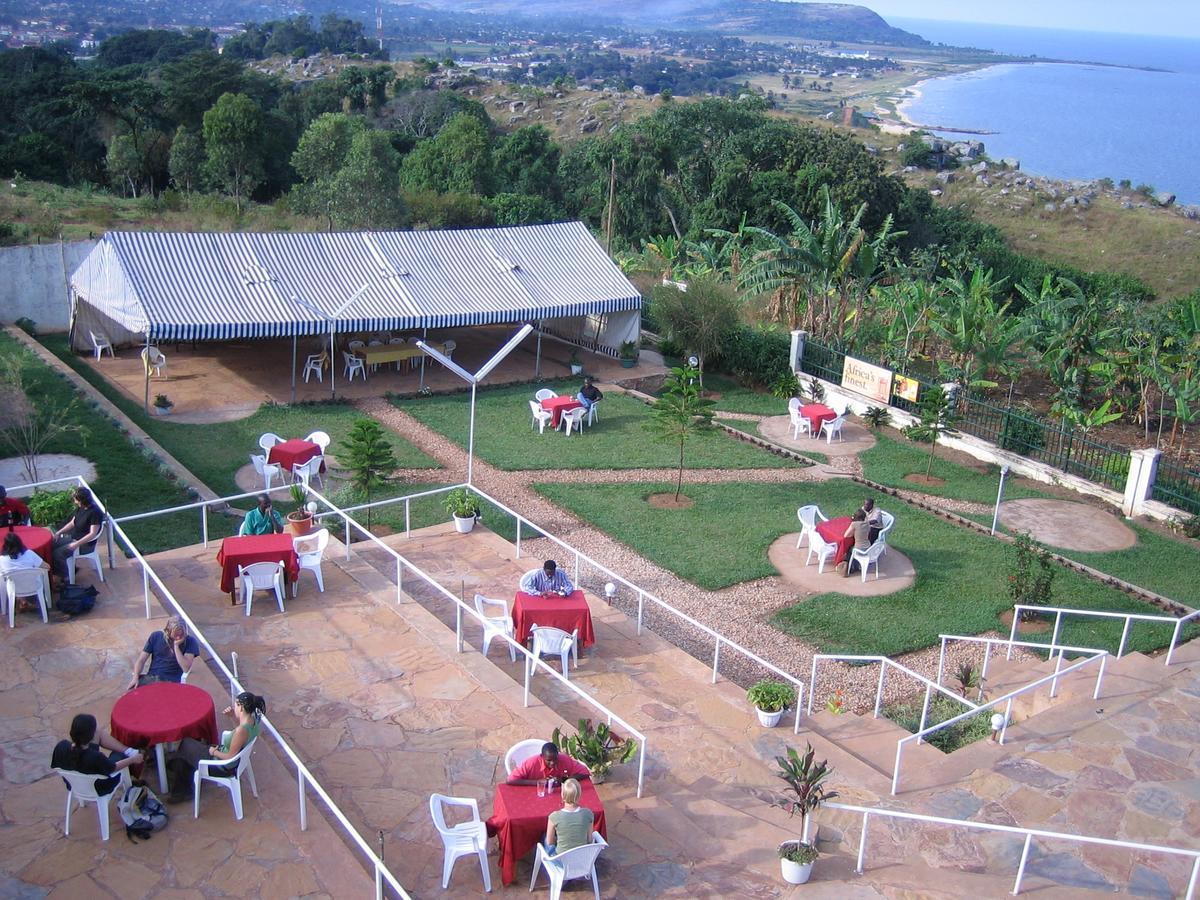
[896, 572]
[49, 467]
[778, 429]
[1071, 526]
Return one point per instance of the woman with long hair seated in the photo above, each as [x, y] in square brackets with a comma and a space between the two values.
[248, 709]
[571, 826]
[83, 754]
[15, 555]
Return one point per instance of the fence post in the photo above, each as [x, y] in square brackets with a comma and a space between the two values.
[204, 523]
[399, 581]
[346, 519]
[1099, 677]
[1021, 868]
[812, 685]
[1174, 640]
[1053, 637]
[716, 659]
[941, 661]
[1012, 632]
[1124, 637]
[458, 625]
[407, 518]
[528, 662]
[924, 713]
[797, 350]
[879, 690]
[518, 537]
[1139, 483]
[146, 586]
[1007, 719]
[862, 844]
[641, 767]
[1054, 681]
[109, 535]
[303, 803]
[576, 568]
[641, 601]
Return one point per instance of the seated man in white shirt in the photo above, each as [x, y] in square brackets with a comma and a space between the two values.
[551, 580]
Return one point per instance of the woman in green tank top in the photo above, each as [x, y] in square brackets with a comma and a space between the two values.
[248, 708]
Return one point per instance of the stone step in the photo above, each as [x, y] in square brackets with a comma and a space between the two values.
[870, 741]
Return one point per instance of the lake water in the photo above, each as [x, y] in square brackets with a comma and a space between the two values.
[1074, 121]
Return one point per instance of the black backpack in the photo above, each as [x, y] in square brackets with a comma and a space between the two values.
[75, 599]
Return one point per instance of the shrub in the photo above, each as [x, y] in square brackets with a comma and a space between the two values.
[755, 355]
[968, 731]
[786, 386]
[877, 416]
[1021, 433]
[771, 696]
[50, 508]
[27, 325]
[1032, 580]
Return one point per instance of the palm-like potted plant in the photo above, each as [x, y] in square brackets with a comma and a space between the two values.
[629, 354]
[163, 404]
[597, 747]
[771, 699]
[806, 791]
[300, 519]
[575, 363]
[464, 507]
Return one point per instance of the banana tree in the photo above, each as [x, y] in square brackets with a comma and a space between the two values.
[975, 327]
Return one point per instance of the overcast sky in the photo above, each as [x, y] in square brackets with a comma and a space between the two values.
[1178, 18]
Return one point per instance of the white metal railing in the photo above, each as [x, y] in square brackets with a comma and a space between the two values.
[305, 778]
[406, 500]
[1130, 618]
[1029, 834]
[201, 505]
[1055, 648]
[884, 662]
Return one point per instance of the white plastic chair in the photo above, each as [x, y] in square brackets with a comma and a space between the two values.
[353, 364]
[822, 548]
[579, 862]
[864, 558]
[99, 344]
[233, 783]
[93, 556]
[399, 342]
[374, 342]
[808, 516]
[153, 358]
[315, 365]
[263, 576]
[544, 394]
[521, 751]
[526, 582]
[886, 521]
[592, 415]
[541, 417]
[355, 345]
[794, 404]
[268, 440]
[573, 418]
[833, 427]
[494, 624]
[26, 583]
[310, 550]
[800, 425]
[268, 471]
[305, 472]
[463, 839]
[83, 790]
[321, 439]
[548, 641]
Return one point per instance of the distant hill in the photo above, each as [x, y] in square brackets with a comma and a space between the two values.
[817, 21]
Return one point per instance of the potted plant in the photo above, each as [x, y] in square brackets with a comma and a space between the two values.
[770, 698]
[576, 364]
[464, 506]
[162, 405]
[597, 747]
[299, 520]
[629, 354]
[805, 778]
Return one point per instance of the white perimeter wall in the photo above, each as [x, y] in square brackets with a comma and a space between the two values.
[33, 282]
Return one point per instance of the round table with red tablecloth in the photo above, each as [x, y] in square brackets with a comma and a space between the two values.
[39, 540]
[247, 549]
[817, 414]
[834, 532]
[556, 406]
[161, 713]
[519, 819]
[295, 452]
[570, 613]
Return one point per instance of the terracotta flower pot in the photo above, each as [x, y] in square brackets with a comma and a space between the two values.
[299, 524]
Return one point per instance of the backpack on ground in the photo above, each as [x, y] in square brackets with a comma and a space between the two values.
[76, 599]
[142, 812]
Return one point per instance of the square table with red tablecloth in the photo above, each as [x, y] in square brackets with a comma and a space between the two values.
[255, 548]
[568, 613]
[519, 819]
[817, 415]
[834, 532]
[39, 540]
[295, 452]
[161, 713]
[556, 406]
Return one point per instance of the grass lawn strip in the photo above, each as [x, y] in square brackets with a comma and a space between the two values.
[737, 398]
[127, 481]
[751, 428]
[423, 512]
[723, 538]
[214, 452]
[619, 439]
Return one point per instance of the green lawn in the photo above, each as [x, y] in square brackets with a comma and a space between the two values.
[618, 440]
[214, 453]
[127, 480]
[723, 539]
[752, 428]
[892, 458]
[738, 398]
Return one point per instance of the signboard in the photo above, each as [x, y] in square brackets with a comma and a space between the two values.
[905, 388]
[866, 379]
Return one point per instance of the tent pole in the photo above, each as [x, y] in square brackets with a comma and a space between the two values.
[332, 364]
[537, 363]
[293, 367]
[425, 338]
[146, 366]
[471, 435]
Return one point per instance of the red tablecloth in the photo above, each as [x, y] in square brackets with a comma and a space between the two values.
[556, 406]
[568, 613]
[254, 548]
[163, 712]
[35, 538]
[519, 818]
[834, 532]
[295, 452]
[817, 414]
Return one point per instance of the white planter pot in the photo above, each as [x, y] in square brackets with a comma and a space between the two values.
[463, 525]
[162, 410]
[794, 873]
[769, 719]
[576, 370]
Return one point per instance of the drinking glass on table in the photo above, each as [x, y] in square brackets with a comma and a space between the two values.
[541, 787]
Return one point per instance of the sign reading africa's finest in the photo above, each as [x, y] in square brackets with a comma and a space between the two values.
[866, 379]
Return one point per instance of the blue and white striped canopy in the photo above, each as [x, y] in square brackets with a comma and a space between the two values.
[204, 286]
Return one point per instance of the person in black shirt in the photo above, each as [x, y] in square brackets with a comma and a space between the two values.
[83, 753]
[12, 510]
[79, 532]
[589, 393]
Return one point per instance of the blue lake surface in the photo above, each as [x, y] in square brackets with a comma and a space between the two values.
[1075, 121]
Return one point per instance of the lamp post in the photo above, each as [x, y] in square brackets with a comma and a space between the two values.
[474, 379]
[999, 495]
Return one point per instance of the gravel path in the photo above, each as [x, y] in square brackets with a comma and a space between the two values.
[739, 613]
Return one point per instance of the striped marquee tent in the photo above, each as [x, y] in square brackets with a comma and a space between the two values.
[141, 287]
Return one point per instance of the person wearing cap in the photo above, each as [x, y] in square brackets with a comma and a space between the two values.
[589, 393]
[12, 510]
[551, 580]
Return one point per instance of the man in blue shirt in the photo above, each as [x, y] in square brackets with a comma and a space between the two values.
[170, 653]
[550, 580]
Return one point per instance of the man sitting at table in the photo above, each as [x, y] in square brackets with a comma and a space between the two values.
[862, 535]
[79, 532]
[12, 510]
[263, 519]
[170, 653]
[548, 764]
[571, 826]
[874, 517]
[589, 393]
[551, 580]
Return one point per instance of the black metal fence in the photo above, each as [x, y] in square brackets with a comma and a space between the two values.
[1016, 430]
[1177, 486]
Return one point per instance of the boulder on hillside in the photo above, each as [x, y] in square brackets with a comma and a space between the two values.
[945, 177]
[979, 168]
[1011, 162]
[1164, 198]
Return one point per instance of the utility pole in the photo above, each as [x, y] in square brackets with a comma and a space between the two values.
[612, 197]
[379, 24]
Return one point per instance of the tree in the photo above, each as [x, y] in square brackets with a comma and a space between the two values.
[700, 318]
[366, 189]
[526, 162]
[457, 159]
[124, 164]
[937, 417]
[369, 458]
[27, 427]
[319, 157]
[186, 161]
[231, 138]
[976, 327]
[681, 413]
